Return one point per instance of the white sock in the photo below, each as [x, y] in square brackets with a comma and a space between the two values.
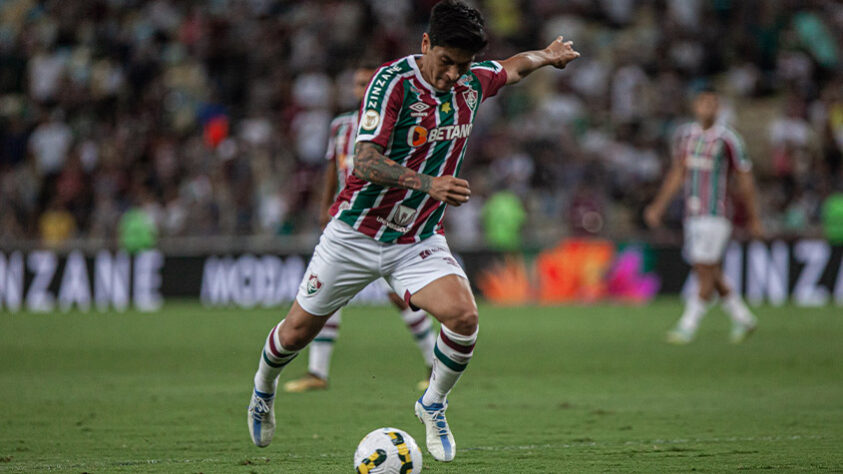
[322, 347]
[736, 309]
[273, 360]
[420, 325]
[695, 309]
[452, 351]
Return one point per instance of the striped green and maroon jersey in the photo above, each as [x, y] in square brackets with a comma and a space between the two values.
[709, 156]
[418, 127]
[341, 145]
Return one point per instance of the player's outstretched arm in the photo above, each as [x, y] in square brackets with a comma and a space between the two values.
[371, 165]
[557, 54]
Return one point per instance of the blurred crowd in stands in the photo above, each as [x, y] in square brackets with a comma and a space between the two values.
[171, 118]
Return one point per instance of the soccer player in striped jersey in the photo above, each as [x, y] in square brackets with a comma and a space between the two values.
[415, 120]
[706, 154]
[340, 155]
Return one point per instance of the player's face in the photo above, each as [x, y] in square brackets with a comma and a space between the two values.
[360, 81]
[705, 107]
[442, 66]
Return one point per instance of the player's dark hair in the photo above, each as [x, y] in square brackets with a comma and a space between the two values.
[454, 24]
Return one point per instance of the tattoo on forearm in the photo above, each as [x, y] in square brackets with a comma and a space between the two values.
[371, 165]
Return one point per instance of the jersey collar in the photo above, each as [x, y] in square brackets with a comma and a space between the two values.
[427, 85]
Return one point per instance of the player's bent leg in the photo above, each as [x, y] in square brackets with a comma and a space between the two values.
[318, 358]
[450, 300]
[421, 327]
[282, 345]
[300, 327]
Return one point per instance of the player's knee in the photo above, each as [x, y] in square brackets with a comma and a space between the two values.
[293, 339]
[465, 320]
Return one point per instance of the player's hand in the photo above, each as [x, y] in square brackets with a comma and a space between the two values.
[450, 190]
[560, 53]
[652, 216]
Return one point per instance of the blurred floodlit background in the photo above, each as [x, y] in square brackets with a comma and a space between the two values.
[209, 119]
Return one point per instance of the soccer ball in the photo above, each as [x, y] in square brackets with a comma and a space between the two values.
[388, 451]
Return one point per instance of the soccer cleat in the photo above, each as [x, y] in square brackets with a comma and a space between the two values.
[680, 336]
[741, 331]
[440, 441]
[307, 383]
[261, 418]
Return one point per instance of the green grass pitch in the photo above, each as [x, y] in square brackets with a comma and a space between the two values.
[550, 389]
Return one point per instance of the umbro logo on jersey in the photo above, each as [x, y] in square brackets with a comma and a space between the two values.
[419, 109]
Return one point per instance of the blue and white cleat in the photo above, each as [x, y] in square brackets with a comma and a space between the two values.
[261, 418]
[440, 441]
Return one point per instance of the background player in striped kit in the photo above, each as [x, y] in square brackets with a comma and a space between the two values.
[705, 155]
[340, 157]
[415, 121]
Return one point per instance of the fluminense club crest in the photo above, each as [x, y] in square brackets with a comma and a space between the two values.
[470, 97]
[313, 284]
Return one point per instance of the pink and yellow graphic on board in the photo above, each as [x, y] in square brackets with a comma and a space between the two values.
[575, 271]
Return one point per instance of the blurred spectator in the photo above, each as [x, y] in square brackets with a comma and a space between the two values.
[791, 138]
[832, 216]
[503, 218]
[56, 224]
[50, 143]
[137, 228]
[46, 72]
[210, 118]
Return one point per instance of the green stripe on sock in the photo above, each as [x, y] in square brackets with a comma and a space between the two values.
[324, 339]
[423, 334]
[448, 362]
[277, 365]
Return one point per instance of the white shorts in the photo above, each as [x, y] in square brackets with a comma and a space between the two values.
[345, 261]
[706, 238]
